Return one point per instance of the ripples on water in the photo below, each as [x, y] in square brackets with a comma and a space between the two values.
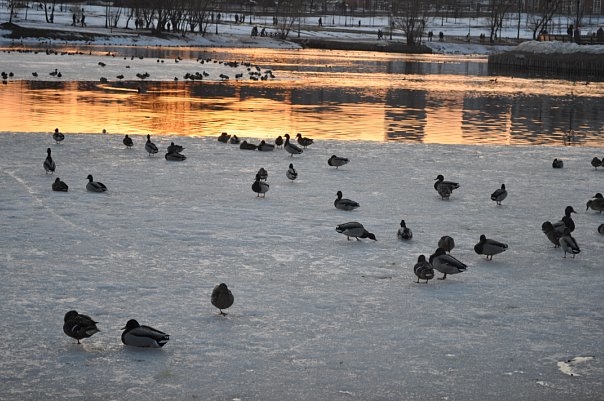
[323, 94]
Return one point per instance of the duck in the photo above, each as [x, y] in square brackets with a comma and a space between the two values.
[79, 326]
[175, 157]
[344, 204]
[95, 186]
[265, 147]
[127, 141]
[259, 186]
[489, 247]
[446, 264]
[444, 188]
[58, 136]
[222, 297]
[499, 195]
[234, 140]
[262, 173]
[247, 146]
[404, 232]
[423, 270]
[59, 185]
[447, 243]
[303, 141]
[596, 204]
[595, 162]
[150, 146]
[224, 137]
[279, 141]
[569, 245]
[172, 148]
[336, 161]
[291, 173]
[557, 163]
[136, 335]
[49, 164]
[290, 147]
[552, 234]
[355, 230]
[566, 222]
[601, 229]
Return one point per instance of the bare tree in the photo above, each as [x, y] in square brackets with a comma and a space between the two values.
[497, 9]
[411, 17]
[287, 13]
[539, 21]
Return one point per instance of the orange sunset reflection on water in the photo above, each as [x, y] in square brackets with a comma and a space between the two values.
[321, 102]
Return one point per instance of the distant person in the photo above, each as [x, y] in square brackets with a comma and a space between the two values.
[430, 35]
[83, 20]
[359, 22]
[600, 34]
[577, 34]
[263, 32]
[320, 22]
[570, 30]
[441, 36]
[168, 26]
[74, 19]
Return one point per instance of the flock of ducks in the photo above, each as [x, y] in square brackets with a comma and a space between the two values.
[80, 326]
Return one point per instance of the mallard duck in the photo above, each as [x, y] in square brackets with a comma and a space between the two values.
[569, 245]
[423, 270]
[566, 222]
[95, 186]
[489, 247]
[262, 173]
[265, 147]
[447, 243]
[49, 164]
[595, 162]
[290, 147]
[355, 230]
[404, 232]
[336, 161]
[247, 146]
[260, 187]
[302, 141]
[58, 136]
[127, 141]
[224, 137]
[343, 203]
[234, 140]
[79, 326]
[173, 148]
[175, 157]
[291, 173]
[222, 297]
[444, 188]
[59, 185]
[499, 195]
[552, 234]
[150, 146]
[601, 229]
[446, 264]
[596, 204]
[143, 336]
[557, 163]
[279, 141]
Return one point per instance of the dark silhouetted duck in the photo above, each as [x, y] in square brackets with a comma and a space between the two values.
[247, 146]
[499, 195]
[569, 245]
[444, 188]
[343, 203]
[566, 223]
[49, 164]
[150, 146]
[303, 141]
[446, 264]
[59, 185]
[127, 141]
[355, 230]
[234, 140]
[601, 229]
[95, 186]
[222, 297]
[595, 162]
[489, 247]
[291, 173]
[557, 163]
[597, 203]
[175, 157]
[224, 137]
[447, 243]
[265, 147]
[263, 174]
[423, 270]
[260, 187]
[336, 161]
[79, 326]
[404, 232]
[58, 136]
[279, 141]
[290, 147]
[143, 336]
[552, 234]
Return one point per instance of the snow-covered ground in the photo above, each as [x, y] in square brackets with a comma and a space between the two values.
[315, 317]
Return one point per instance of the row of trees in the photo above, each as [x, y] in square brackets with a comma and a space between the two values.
[409, 16]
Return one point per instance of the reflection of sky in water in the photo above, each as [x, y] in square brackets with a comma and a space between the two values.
[368, 96]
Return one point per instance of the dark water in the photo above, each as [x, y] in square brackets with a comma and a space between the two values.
[323, 94]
